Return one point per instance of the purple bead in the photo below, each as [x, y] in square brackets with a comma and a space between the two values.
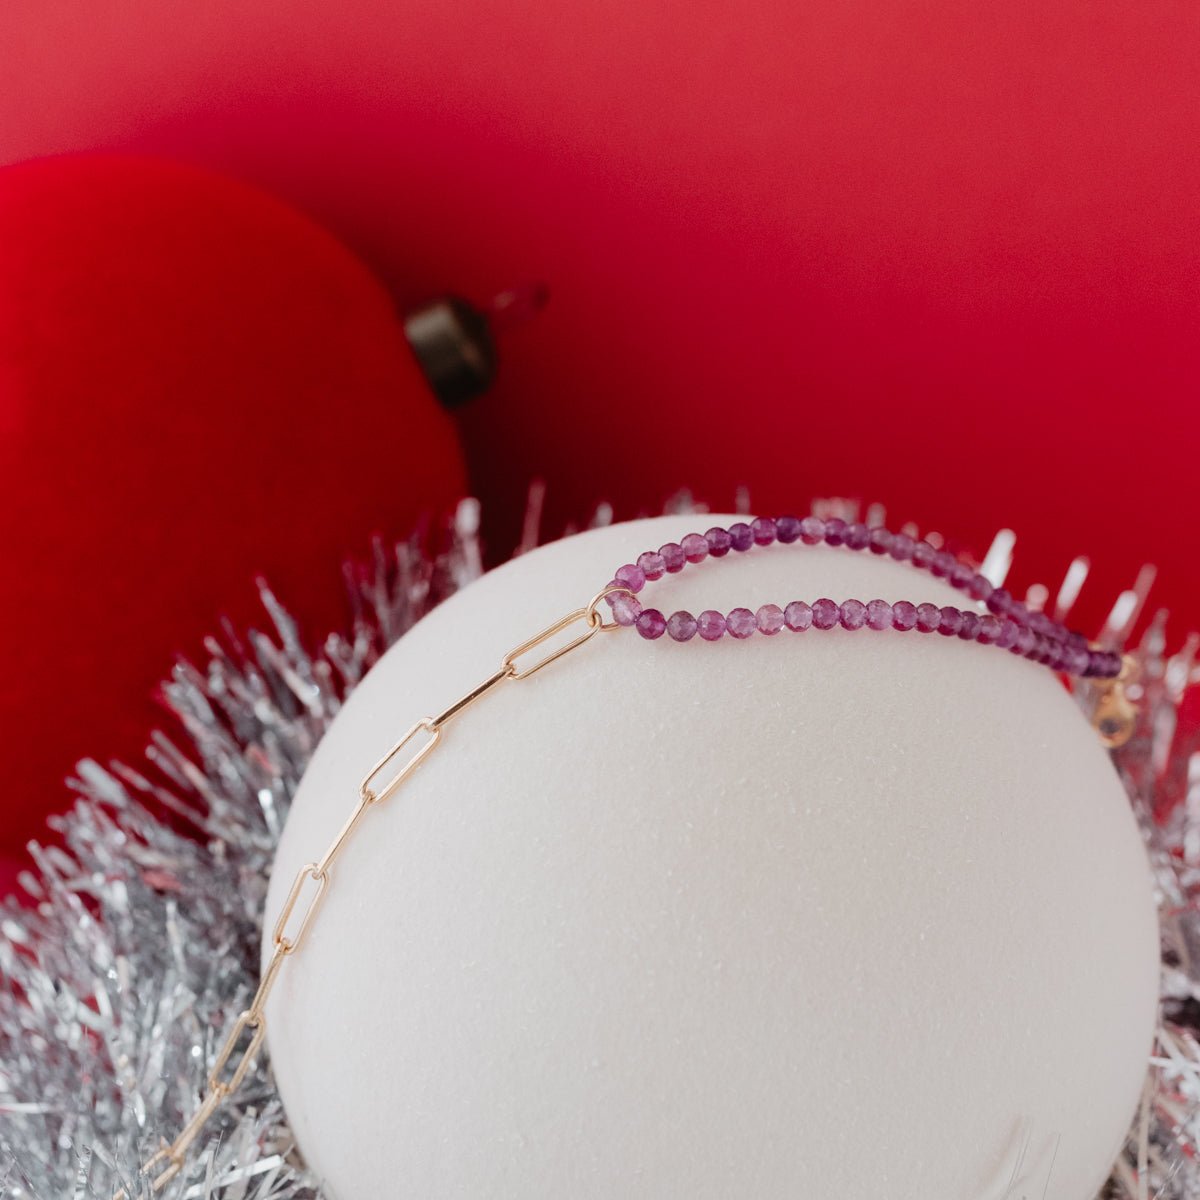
[1076, 659]
[969, 629]
[1009, 632]
[835, 531]
[812, 530]
[719, 541]
[989, 630]
[1018, 612]
[853, 614]
[880, 541]
[740, 623]
[742, 535]
[902, 547]
[929, 617]
[634, 578]
[798, 616]
[950, 622]
[858, 536]
[979, 588]
[769, 619]
[625, 609]
[764, 531]
[652, 565]
[695, 547]
[710, 625]
[961, 575]
[681, 626]
[673, 557]
[998, 601]
[1025, 640]
[787, 529]
[879, 614]
[923, 555]
[826, 614]
[943, 563]
[651, 624]
[904, 616]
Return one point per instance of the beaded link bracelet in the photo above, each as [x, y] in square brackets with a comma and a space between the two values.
[1009, 624]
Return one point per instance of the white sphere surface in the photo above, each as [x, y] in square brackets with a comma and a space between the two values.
[856, 915]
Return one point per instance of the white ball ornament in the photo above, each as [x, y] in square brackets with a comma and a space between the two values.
[858, 915]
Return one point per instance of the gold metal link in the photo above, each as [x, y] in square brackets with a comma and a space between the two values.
[257, 1024]
[599, 598]
[378, 795]
[279, 938]
[474, 694]
[299, 913]
[592, 621]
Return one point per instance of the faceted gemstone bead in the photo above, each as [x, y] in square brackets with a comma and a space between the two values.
[764, 531]
[695, 547]
[826, 614]
[979, 588]
[999, 600]
[681, 626]
[961, 575]
[929, 617]
[853, 614]
[673, 557]
[1009, 632]
[625, 609]
[798, 616]
[858, 536]
[710, 625]
[719, 541]
[632, 577]
[989, 630]
[1076, 659]
[943, 563]
[969, 629]
[769, 619]
[950, 622]
[812, 530]
[923, 555]
[880, 541]
[651, 623]
[879, 614]
[742, 535]
[787, 529]
[904, 616]
[652, 564]
[835, 531]
[902, 547]
[1024, 642]
[740, 623]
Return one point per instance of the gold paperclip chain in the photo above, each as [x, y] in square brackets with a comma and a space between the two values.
[308, 890]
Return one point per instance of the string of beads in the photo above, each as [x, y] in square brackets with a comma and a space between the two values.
[1008, 625]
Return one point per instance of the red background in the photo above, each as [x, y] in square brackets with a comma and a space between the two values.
[940, 254]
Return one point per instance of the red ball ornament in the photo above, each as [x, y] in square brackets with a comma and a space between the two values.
[197, 384]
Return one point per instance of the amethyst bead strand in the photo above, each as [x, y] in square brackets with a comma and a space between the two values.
[1008, 624]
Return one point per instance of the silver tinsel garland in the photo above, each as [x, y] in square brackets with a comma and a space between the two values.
[123, 977]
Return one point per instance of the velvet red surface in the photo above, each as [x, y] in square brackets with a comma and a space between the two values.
[196, 385]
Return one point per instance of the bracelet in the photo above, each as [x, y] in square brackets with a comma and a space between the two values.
[1009, 625]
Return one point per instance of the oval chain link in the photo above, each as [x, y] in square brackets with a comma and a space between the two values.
[308, 889]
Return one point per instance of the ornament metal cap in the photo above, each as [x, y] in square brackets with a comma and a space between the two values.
[454, 341]
[454, 347]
